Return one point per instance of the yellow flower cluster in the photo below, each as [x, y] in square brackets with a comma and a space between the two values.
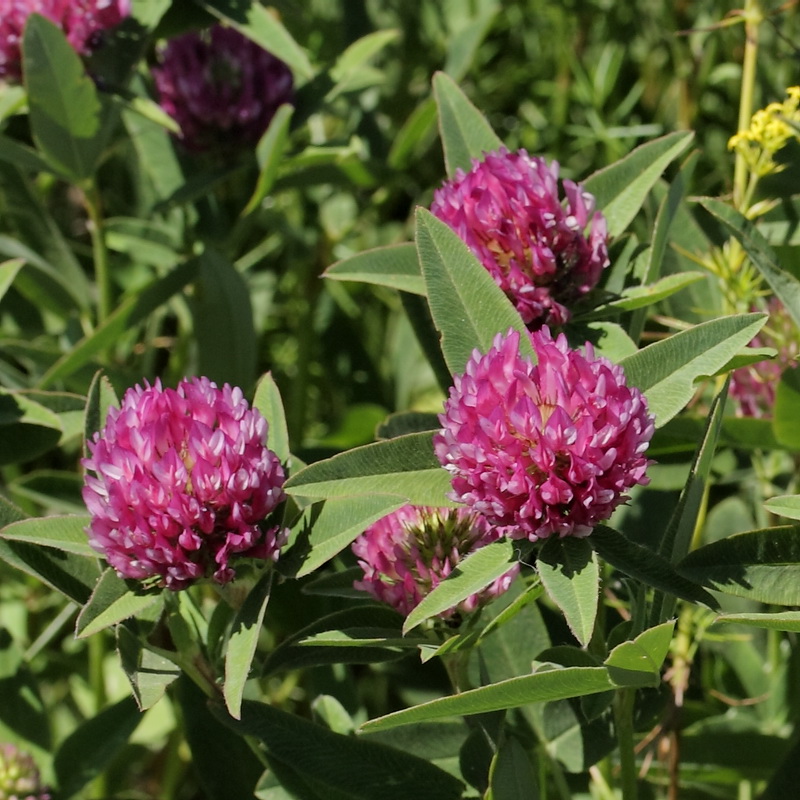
[770, 129]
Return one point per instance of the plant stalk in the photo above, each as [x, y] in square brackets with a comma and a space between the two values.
[623, 723]
[752, 19]
[99, 251]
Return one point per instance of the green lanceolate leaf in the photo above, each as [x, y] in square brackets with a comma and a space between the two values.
[543, 686]
[667, 370]
[224, 762]
[242, 643]
[762, 565]
[785, 419]
[464, 130]
[780, 621]
[341, 766]
[67, 533]
[351, 71]
[227, 353]
[267, 400]
[395, 266]
[678, 536]
[468, 308]
[643, 296]
[270, 151]
[65, 111]
[326, 531]
[9, 270]
[638, 663]
[570, 575]
[403, 467]
[73, 575]
[299, 650]
[264, 28]
[667, 213]
[148, 672]
[643, 564]
[783, 283]
[112, 601]
[86, 752]
[27, 428]
[787, 505]
[100, 398]
[621, 188]
[511, 776]
[471, 575]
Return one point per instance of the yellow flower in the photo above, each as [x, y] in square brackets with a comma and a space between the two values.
[770, 129]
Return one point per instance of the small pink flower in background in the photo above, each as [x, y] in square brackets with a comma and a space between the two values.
[19, 776]
[753, 388]
[81, 21]
[545, 449]
[543, 252]
[406, 554]
[182, 482]
[220, 87]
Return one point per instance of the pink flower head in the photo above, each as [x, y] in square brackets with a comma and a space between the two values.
[542, 251]
[182, 483]
[543, 449]
[19, 776]
[407, 553]
[81, 21]
[220, 87]
[753, 387]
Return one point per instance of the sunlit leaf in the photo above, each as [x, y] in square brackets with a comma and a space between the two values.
[396, 266]
[763, 565]
[403, 467]
[621, 188]
[464, 130]
[467, 306]
[570, 574]
[667, 370]
[474, 573]
[112, 601]
[242, 643]
[543, 686]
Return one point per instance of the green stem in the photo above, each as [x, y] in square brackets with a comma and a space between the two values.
[752, 19]
[97, 655]
[623, 723]
[99, 251]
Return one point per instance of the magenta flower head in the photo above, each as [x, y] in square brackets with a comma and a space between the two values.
[542, 251]
[81, 21]
[179, 483]
[220, 87]
[753, 387]
[407, 553]
[19, 776]
[545, 449]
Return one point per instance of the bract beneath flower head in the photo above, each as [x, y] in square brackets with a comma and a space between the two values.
[543, 251]
[179, 482]
[545, 449]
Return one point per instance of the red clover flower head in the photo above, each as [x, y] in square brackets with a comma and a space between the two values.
[19, 776]
[179, 483]
[81, 21]
[545, 449]
[220, 87]
[753, 387]
[542, 251]
[406, 554]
